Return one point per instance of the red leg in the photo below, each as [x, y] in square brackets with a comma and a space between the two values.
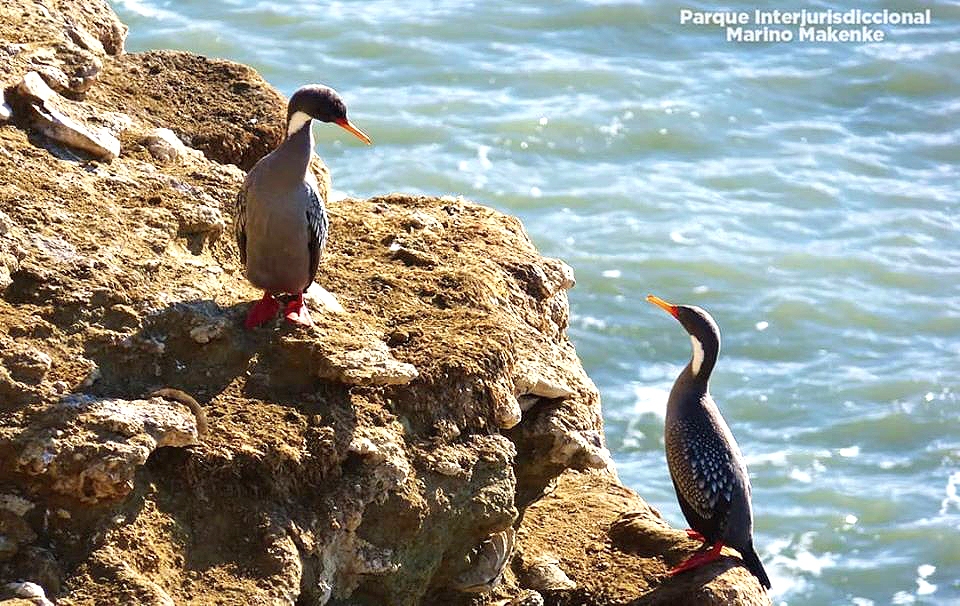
[262, 311]
[696, 536]
[699, 559]
[297, 312]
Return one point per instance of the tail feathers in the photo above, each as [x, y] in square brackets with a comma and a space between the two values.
[753, 564]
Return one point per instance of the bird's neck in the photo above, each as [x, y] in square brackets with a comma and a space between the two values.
[691, 390]
[298, 144]
[687, 395]
[297, 121]
[703, 359]
[696, 382]
[694, 379]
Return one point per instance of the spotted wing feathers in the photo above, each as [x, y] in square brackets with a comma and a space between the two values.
[703, 470]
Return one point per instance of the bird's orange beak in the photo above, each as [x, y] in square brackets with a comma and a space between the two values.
[670, 309]
[359, 134]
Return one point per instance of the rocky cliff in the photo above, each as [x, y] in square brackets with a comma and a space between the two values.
[432, 440]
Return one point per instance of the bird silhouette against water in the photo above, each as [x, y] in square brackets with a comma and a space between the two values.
[707, 469]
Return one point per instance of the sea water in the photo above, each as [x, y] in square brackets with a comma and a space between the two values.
[805, 193]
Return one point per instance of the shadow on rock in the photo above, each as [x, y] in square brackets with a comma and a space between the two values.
[196, 346]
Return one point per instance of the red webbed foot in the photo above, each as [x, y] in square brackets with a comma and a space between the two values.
[297, 312]
[262, 311]
[699, 559]
[696, 536]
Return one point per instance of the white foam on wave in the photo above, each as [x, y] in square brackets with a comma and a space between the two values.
[650, 400]
[952, 497]
[679, 238]
[588, 322]
[777, 459]
[790, 572]
[483, 156]
[850, 451]
[659, 373]
[924, 587]
[613, 129]
[149, 11]
[906, 51]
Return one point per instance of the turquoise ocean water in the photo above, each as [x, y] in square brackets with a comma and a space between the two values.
[805, 193]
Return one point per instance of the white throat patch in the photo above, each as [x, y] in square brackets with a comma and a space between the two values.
[297, 120]
[697, 355]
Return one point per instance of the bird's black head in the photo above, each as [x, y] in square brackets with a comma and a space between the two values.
[320, 103]
[703, 330]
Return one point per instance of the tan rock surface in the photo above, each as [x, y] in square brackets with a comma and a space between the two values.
[616, 549]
